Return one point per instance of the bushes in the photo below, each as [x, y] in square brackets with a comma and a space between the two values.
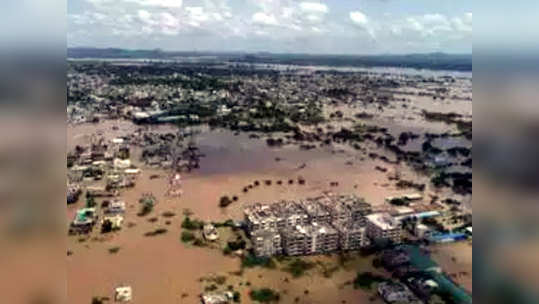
[90, 202]
[199, 242]
[224, 201]
[145, 209]
[114, 250]
[106, 227]
[99, 300]
[264, 295]
[236, 297]
[227, 223]
[366, 279]
[236, 245]
[399, 201]
[250, 261]
[192, 224]
[156, 232]
[147, 202]
[298, 267]
[168, 214]
[187, 236]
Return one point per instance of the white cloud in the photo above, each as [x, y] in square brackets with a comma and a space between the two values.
[167, 20]
[414, 24]
[196, 15]
[461, 25]
[359, 18]
[288, 23]
[313, 7]
[145, 17]
[362, 21]
[435, 19]
[264, 19]
[468, 17]
[157, 3]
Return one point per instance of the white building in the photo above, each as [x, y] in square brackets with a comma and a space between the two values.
[267, 242]
[383, 226]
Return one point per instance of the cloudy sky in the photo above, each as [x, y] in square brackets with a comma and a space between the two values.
[311, 26]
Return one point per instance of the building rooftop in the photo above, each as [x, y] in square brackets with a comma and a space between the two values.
[383, 220]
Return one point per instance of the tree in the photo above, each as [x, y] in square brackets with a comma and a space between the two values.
[224, 201]
[90, 202]
[106, 227]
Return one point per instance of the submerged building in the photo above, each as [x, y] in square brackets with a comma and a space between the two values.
[267, 243]
[382, 226]
[311, 226]
[310, 239]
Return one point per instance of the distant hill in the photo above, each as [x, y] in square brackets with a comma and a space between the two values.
[432, 61]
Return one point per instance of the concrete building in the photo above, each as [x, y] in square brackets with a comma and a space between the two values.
[311, 226]
[267, 243]
[352, 235]
[317, 212]
[396, 293]
[383, 226]
[259, 217]
[357, 207]
[289, 214]
[310, 239]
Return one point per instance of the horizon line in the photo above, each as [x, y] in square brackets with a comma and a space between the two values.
[270, 52]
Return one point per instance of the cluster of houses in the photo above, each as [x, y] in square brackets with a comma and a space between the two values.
[105, 167]
[105, 161]
[87, 218]
[317, 225]
[411, 285]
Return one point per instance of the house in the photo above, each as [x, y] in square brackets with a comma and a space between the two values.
[116, 207]
[217, 298]
[122, 163]
[73, 193]
[395, 258]
[393, 292]
[115, 221]
[421, 286]
[99, 191]
[123, 294]
[84, 221]
[422, 230]
[209, 232]
[469, 231]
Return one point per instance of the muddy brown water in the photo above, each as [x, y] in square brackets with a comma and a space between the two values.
[163, 270]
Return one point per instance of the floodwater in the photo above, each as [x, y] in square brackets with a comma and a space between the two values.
[163, 270]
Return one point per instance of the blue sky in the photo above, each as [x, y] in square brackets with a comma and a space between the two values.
[311, 26]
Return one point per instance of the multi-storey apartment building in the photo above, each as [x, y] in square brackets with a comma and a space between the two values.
[352, 235]
[357, 207]
[267, 242]
[383, 226]
[289, 214]
[310, 239]
[259, 217]
[316, 211]
[314, 226]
